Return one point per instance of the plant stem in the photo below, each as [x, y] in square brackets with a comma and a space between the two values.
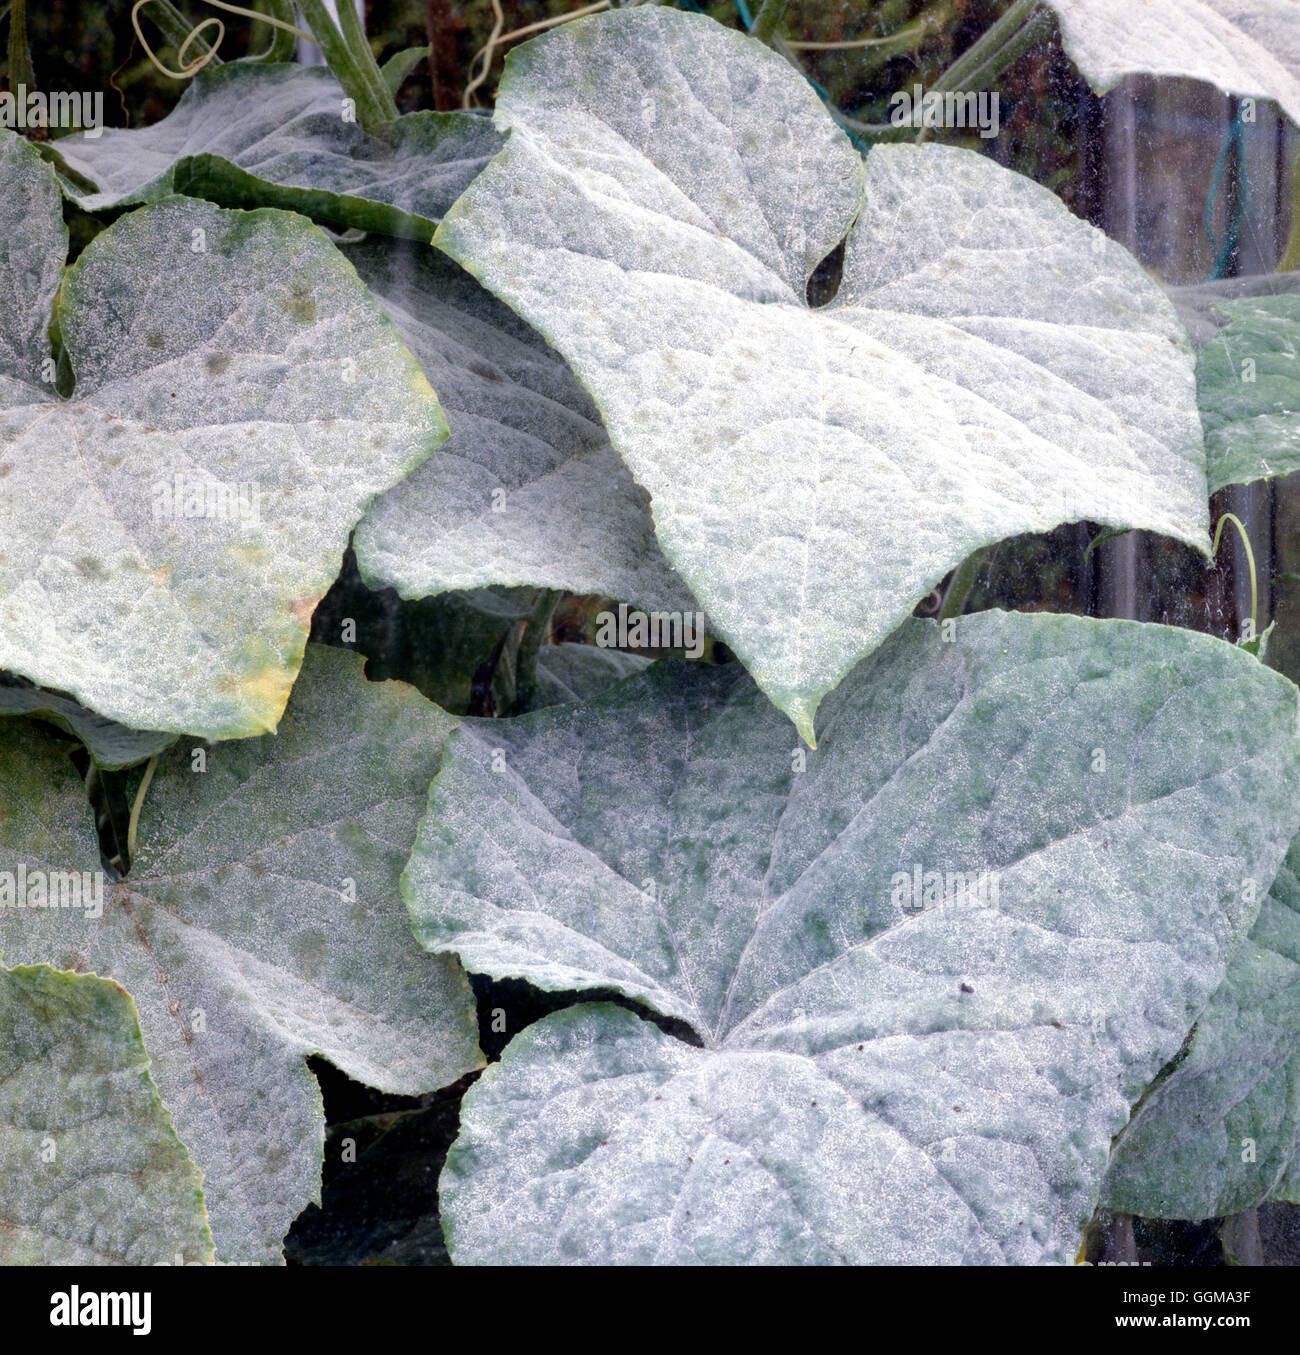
[21, 70]
[1019, 29]
[1290, 259]
[959, 590]
[176, 28]
[537, 630]
[282, 40]
[136, 806]
[353, 64]
[768, 20]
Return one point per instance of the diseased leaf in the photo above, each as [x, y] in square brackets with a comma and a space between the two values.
[991, 365]
[1243, 47]
[1222, 1132]
[261, 922]
[1248, 388]
[527, 490]
[1200, 304]
[572, 672]
[885, 1075]
[112, 746]
[229, 365]
[272, 135]
[91, 1171]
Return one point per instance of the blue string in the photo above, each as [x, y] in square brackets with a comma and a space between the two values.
[1223, 253]
[745, 17]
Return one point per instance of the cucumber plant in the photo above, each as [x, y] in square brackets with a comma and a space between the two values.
[879, 930]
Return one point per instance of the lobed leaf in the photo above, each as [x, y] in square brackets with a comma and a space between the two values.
[91, 1171]
[261, 922]
[990, 365]
[226, 362]
[527, 490]
[272, 135]
[882, 1075]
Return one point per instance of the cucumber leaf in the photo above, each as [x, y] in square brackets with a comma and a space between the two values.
[1243, 47]
[261, 922]
[273, 135]
[990, 365]
[91, 1170]
[167, 530]
[527, 489]
[1221, 1133]
[883, 1072]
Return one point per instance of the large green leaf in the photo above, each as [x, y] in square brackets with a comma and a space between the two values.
[276, 136]
[261, 922]
[527, 490]
[1243, 47]
[1200, 304]
[91, 1171]
[1222, 1132]
[1248, 387]
[990, 365]
[876, 1081]
[236, 350]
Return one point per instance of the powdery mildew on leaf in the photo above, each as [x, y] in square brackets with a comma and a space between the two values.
[882, 1078]
[1243, 47]
[990, 366]
[1222, 1132]
[527, 489]
[276, 136]
[229, 363]
[262, 922]
[91, 1171]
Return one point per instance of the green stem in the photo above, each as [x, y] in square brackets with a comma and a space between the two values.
[137, 805]
[537, 631]
[355, 69]
[21, 70]
[282, 41]
[176, 28]
[1290, 259]
[1250, 560]
[959, 590]
[354, 34]
[1020, 28]
[768, 20]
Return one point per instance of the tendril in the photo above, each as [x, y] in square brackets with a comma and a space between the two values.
[188, 70]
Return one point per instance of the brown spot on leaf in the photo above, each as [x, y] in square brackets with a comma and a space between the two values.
[304, 607]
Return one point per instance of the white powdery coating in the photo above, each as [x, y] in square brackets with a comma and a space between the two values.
[91, 1171]
[1222, 1133]
[256, 363]
[527, 489]
[970, 1062]
[1243, 47]
[284, 126]
[992, 365]
[239, 908]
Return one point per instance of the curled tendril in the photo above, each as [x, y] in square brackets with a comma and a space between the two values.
[191, 68]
